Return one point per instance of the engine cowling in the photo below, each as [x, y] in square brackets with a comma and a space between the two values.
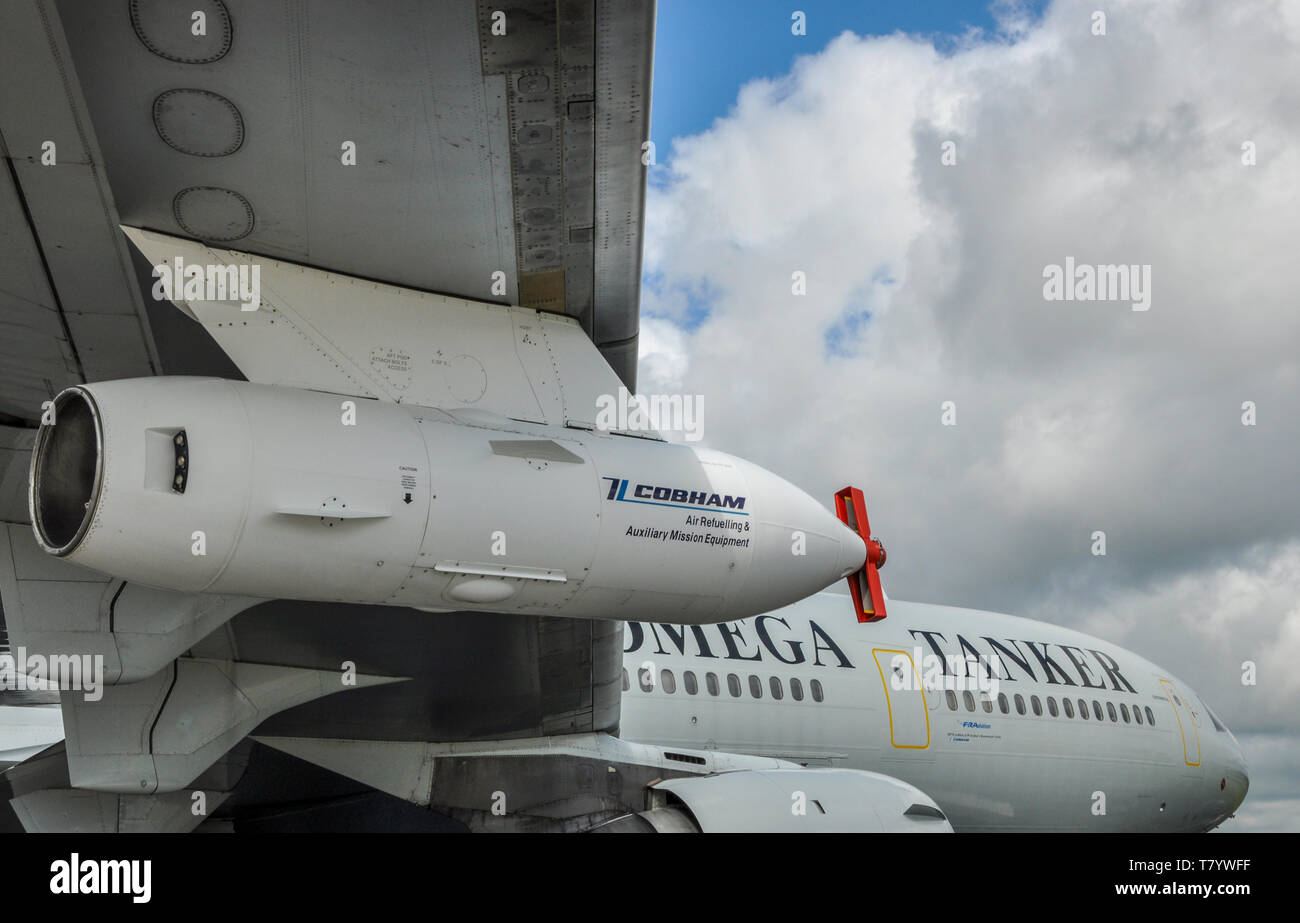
[209, 485]
[786, 801]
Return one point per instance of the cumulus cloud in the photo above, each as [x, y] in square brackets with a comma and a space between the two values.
[925, 284]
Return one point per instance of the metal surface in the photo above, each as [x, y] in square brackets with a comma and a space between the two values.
[239, 134]
[70, 309]
[475, 152]
[806, 801]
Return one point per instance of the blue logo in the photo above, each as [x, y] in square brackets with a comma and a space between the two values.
[675, 497]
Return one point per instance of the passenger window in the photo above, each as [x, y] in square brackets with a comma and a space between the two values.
[968, 700]
[796, 690]
[1083, 709]
[775, 684]
[688, 679]
[1020, 704]
[1051, 706]
[1002, 703]
[645, 678]
[1137, 714]
[733, 684]
[816, 687]
[667, 681]
[1110, 710]
[1151, 719]
[627, 684]
[986, 703]
[711, 683]
[1096, 709]
[1037, 705]
[1123, 712]
[952, 699]
[1069, 708]
[755, 686]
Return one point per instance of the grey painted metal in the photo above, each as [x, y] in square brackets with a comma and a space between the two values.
[15, 462]
[624, 65]
[45, 802]
[566, 783]
[70, 309]
[474, 675]
[158, 735]
[474, 152]
[426, 201]
[136, 629]
[70, 810]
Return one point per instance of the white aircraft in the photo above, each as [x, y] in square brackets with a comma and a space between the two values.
[1007, 724]
[310, 314]
[1050, 729]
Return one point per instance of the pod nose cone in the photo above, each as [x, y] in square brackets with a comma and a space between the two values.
[853, 550]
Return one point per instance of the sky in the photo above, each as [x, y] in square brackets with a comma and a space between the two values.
[922, 166]
[707, 49]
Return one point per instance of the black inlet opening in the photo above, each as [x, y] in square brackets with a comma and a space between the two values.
[65, 479]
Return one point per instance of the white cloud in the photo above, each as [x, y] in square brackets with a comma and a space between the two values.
[1072, 416]
[1218, 619]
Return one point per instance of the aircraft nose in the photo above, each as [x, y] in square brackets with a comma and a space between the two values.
[1236, 779]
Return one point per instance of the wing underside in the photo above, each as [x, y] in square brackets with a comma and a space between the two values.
[435, 147]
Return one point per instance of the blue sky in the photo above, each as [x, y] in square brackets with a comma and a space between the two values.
[705, 50]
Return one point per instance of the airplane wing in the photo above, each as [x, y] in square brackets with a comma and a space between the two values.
[445, 148]
[459, 182]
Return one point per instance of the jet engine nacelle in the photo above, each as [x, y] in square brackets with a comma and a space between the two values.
[787, 801]
[209, 485]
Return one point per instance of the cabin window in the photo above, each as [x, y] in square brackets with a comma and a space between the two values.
[627, 684]
[1137, 714]
[1110, 710]
[1096, 710]
[775, 684]
[986, 703]
[796, 690]
[1037, 705]
[1051, 706]
[968, 700]
[755, 686]
[1020, 704]
[688, 680]
[711, 683]
[733, 685]
[952, 699]
[1151, 719]
[1002, 703]
[816, 687]
[668, 681]
[1069, 708]
[645, 678]
[1123, 712]
[1083, 709]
